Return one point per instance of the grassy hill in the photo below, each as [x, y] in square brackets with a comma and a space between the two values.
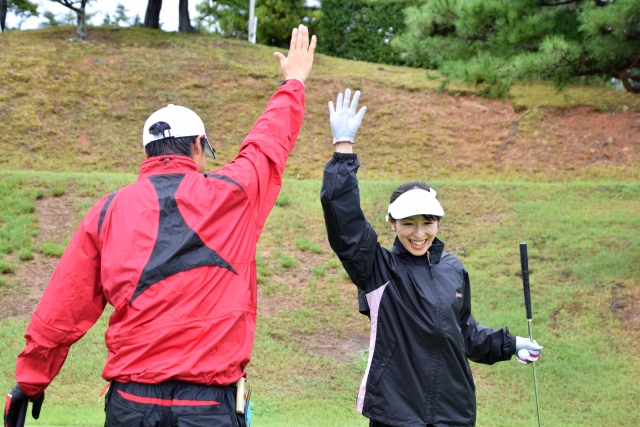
[565, 182]
[79, 107]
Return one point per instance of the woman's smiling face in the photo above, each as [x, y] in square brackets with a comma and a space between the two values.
[416, 233]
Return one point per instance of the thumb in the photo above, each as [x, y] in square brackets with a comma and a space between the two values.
[37, 406]
[360, 114]
[280, 56]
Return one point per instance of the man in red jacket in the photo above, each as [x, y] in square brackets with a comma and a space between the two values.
[174, 254]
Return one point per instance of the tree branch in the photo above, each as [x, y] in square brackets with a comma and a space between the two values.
[567, 64]
[68, 4]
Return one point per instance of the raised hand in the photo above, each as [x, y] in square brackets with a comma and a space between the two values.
[343, 118]
[297, 64]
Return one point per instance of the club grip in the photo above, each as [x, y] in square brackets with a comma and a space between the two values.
[524, 263]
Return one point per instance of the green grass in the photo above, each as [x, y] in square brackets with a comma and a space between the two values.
[52, 249]
[306, 244]
[25, 255]
[582, 249]
[286, 261]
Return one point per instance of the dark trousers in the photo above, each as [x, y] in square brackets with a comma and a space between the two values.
[373, 423]
[171, 404]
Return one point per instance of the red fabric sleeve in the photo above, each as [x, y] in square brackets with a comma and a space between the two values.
[263, 155]
[72, 303]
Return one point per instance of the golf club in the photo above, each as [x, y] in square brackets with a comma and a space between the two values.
[524, 263]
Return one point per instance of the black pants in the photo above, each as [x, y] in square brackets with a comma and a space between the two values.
[377, 424]
[171, 404]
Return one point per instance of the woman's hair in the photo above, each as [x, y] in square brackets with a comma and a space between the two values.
[170, 145]
[411, 186]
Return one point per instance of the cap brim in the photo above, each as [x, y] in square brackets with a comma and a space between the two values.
[209, 151]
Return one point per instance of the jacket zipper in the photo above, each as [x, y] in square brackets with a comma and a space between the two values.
[437, 337]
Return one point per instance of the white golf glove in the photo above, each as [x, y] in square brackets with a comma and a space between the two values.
[344, 120]
[527, 351]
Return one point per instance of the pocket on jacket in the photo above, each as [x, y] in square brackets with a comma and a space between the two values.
[382, 365]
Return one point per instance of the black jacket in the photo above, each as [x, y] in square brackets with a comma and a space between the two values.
[422, 330]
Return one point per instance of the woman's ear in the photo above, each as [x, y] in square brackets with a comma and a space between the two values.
[392, 222]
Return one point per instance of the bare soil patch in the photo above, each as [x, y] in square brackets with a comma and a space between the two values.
[625, 303]
[346, 348]
[56, 223]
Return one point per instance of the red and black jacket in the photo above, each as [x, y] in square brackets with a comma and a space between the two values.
[174, 254]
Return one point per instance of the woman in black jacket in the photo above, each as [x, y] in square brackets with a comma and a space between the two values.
[416, 295]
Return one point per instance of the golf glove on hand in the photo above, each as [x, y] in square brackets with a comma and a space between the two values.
[15, 399]
[343, 118]
[527, 351]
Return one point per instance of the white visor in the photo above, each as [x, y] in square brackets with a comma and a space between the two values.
[415, 202]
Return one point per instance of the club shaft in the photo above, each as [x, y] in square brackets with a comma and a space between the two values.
[524, 264]
[535, 380]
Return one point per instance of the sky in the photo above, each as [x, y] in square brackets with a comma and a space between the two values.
[168, 14]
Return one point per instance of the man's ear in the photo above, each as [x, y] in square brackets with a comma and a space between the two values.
[196, 147]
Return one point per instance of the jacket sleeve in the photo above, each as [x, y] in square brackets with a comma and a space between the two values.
[350, 235]
[72, 302]
[259, 165]
[484, 344]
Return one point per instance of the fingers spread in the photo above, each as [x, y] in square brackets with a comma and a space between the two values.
[331, 109]
[339, 102]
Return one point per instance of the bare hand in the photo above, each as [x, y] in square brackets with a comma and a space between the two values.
[297, 64]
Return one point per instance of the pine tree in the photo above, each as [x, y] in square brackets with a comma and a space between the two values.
[499, 42]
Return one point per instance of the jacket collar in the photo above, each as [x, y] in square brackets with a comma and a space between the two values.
[435, 251]
[171, 163]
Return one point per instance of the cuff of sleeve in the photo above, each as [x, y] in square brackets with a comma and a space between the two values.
[509, 344]
[293, 78]
[352, 156]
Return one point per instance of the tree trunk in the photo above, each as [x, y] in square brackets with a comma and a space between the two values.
[185, 22]
[81, 30]
[629, 84]
[152, 17]
[3, 13]
[623, 75]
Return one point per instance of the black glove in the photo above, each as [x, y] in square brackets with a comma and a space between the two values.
[15, 409]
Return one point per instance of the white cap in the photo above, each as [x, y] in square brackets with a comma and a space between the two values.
[415, 202]
[182, 122]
